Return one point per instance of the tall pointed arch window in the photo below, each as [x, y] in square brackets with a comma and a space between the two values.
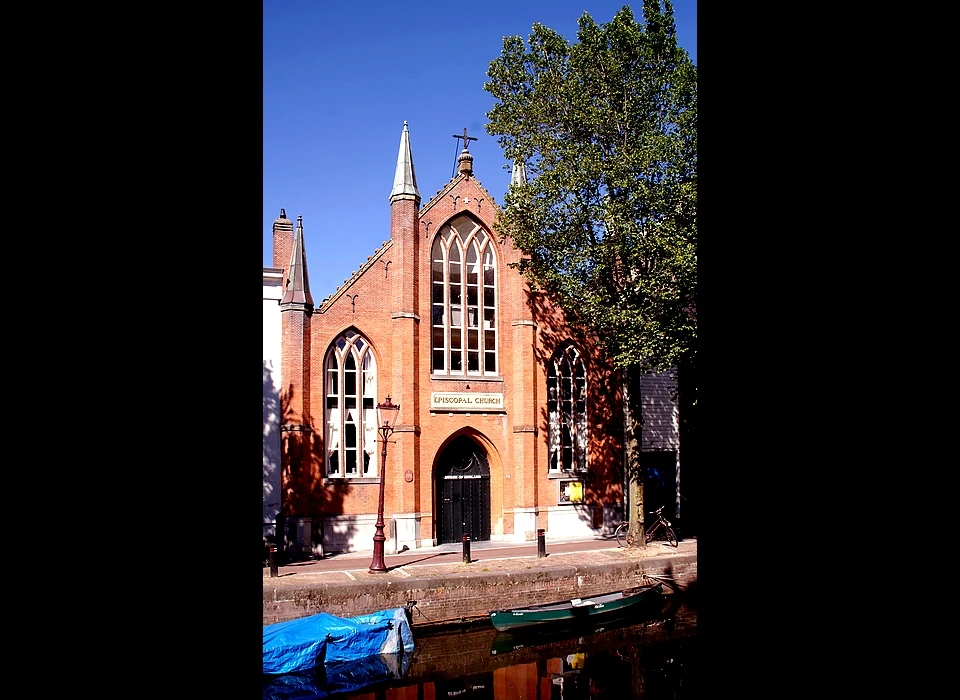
[350, 387]
[567, 411]
[463, 281]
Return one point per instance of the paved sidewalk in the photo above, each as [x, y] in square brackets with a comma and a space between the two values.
[449, 560]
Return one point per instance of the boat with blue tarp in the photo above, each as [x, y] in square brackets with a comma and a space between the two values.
[300, 645]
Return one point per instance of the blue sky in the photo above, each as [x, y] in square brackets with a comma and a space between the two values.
[339, 80]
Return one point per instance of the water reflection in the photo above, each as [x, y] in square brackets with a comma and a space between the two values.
[649, 659]
[337, 679]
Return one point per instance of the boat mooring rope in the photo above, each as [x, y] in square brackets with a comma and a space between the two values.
[412, 605]
[669, 580]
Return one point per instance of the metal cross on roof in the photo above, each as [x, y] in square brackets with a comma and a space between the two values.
[466, 139]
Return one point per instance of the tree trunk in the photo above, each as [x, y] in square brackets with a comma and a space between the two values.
[633, 475]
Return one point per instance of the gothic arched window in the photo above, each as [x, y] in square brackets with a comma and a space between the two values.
[350, 386]
[463, 292]
[567, 411]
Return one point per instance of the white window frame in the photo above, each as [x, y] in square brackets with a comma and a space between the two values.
[358, 420]
[567, 412]
[459, 295]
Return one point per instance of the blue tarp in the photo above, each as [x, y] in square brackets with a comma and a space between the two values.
[308, 642]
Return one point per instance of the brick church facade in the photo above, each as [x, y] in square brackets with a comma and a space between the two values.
[509, 420]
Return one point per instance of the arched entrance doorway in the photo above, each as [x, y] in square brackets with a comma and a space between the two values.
[463, 492]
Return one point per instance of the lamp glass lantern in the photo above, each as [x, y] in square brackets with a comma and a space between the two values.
[387, 414]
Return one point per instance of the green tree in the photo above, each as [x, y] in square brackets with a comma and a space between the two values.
[606, 128]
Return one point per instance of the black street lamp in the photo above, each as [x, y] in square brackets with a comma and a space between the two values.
[387, 413]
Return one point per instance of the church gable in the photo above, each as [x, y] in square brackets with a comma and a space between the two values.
[462, 194]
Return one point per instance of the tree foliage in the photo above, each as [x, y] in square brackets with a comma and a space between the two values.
[607, 222]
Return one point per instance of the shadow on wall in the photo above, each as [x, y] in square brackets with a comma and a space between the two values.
[656, 469]
[602, 506]
[302, 501]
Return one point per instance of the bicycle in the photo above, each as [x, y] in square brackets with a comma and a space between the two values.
[660, 530]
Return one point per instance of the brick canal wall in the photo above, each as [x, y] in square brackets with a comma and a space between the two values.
[460, 597]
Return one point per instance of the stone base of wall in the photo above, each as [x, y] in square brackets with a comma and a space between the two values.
[462, 597]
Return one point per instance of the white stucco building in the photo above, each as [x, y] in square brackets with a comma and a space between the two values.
[272, 292]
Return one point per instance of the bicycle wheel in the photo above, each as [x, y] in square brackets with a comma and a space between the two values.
[671, 536]
[660, 532]
[621, 534]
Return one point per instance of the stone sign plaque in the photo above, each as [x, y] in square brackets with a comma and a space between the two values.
[465, 401]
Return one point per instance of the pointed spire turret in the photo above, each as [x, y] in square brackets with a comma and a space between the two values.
[297, 292]
[405, 179]
[519, 176]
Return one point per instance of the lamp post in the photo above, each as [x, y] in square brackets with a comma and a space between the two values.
[387, 414]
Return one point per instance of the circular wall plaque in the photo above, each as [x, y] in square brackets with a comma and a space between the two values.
[408, 475]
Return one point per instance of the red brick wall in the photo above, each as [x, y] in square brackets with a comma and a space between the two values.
[282, 245]
[392, 291]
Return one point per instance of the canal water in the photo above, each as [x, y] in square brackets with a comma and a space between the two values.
[652, 658]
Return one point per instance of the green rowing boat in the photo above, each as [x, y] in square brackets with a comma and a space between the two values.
[575, 611]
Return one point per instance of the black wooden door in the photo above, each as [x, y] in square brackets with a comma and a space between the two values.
[464, 493]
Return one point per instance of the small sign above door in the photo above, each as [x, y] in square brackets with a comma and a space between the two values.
[465, 401]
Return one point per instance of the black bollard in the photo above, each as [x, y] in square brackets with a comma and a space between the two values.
[466, 548]
[273, 561]
[541, 543]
